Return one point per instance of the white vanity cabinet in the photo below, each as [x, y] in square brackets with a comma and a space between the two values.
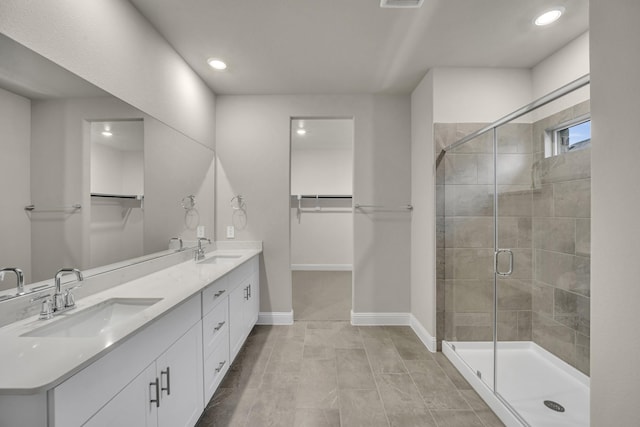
[169, 350]
[226, 324]
[167, 393]
[162, 375]
[215, 334]
[244, 303]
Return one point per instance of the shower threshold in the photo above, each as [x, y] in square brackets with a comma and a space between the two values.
[528, 375]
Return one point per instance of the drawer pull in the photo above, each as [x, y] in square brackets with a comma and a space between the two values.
[217, 294]
[220, 325]
[219, 368]
[249, 290]
[155, 384]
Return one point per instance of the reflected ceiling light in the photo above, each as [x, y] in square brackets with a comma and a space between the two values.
[216, 64]
[549, 16]
[107, 130]
[301, 132]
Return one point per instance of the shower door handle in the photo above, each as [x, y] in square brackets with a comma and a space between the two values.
[495, 263]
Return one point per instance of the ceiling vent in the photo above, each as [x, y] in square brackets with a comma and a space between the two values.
[400, 3]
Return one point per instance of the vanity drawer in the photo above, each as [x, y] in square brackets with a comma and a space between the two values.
[214, 294]
[215, 367]
[215, 328]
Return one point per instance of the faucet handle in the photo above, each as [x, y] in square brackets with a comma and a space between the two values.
[179, 240]
[46, 310]
[69, 298]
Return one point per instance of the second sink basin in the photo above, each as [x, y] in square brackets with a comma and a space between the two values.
[220, 259]
[95, 320]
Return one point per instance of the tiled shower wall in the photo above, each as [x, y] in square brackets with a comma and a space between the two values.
[561, 244]
[543, 217]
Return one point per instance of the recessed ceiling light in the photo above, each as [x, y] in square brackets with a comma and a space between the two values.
[106, 133]
[549, 16]
[400, 3]
[216, 64]
[301, 132]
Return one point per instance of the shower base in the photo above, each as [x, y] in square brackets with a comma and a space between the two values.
[528, 375]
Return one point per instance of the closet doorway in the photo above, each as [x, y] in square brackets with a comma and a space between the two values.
[321, 218]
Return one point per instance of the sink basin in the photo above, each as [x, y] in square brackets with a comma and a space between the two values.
[220, 259]
[95, 320]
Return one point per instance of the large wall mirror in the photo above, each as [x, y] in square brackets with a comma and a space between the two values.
[87, 180]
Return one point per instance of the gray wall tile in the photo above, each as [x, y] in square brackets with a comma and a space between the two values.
[515, 138]
[583, 237]
[555, 234]
[460, 169]
[572, 198]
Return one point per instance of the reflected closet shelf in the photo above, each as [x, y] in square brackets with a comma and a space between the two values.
[119, 196]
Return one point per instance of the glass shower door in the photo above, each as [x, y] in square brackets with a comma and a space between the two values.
[468, 227]
[513, 261]
[542, 269]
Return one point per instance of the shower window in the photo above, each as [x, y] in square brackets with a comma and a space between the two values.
[569, 136]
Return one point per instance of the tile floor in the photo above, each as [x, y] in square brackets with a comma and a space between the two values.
[321, 295]
[334, 374]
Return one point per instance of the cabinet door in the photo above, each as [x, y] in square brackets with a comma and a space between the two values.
[237, 300]
[253, 307]
[133, 406]
[179, 370]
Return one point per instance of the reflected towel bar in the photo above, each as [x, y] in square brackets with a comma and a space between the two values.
[75, 207]
[384, 207]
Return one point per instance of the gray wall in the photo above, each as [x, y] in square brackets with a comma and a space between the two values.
[423, 292]
[253, 154]
[15, 145]
[615, 90]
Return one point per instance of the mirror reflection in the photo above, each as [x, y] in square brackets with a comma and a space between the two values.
[72, 199]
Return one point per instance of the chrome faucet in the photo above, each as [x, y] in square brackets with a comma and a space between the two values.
[199, 253]
[19, 278]
[67, 301]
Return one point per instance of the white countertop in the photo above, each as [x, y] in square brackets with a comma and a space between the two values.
[30, 365]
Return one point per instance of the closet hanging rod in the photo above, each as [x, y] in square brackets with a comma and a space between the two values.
[384, 207]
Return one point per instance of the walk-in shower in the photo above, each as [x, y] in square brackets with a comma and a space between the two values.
[513, 227]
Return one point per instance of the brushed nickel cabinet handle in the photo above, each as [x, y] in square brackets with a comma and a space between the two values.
[168, 387]
[155, 384]
[220, 325]
[220, 365]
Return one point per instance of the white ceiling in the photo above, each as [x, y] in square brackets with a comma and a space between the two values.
[354, 46]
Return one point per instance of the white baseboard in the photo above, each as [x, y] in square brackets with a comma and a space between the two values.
[321, 267]
[427, 339]
[380, 319]
[275, 318]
